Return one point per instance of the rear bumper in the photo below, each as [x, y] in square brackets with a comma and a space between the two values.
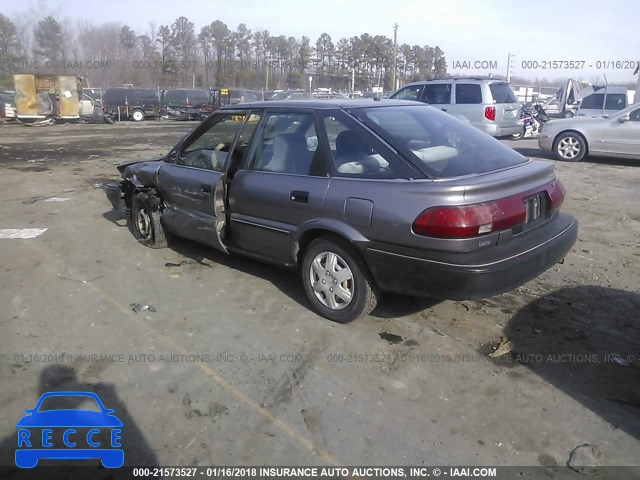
[473, 275]
[496, 131]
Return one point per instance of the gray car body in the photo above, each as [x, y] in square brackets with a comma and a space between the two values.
[608, 137]
[374, 215]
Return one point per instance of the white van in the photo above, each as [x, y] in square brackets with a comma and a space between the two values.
[604, 102]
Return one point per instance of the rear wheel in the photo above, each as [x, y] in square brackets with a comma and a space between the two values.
[337, 281]
[519, 135]
[570, 147]
[146, 223]
[137, 115]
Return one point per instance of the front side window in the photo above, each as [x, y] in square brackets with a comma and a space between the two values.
[288, 143]
[468, 93]
[437, 93]
[593, 102]
[634, 116]
[210, 149]
[409, 93]
[356, 153]
[439, 145]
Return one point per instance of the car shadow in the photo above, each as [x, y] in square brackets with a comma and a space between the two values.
[287, 281]
[137, 451]
[585, 341]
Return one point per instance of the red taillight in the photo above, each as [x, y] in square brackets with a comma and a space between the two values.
[482, 218]
[490, 113]
[556, 192]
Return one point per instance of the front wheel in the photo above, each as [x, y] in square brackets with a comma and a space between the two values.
[570, 147]
[568, 114]
[146, 224]
[337, 281]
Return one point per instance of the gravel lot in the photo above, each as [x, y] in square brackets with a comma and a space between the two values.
[233, 368]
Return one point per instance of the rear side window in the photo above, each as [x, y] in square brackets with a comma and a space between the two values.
[439, 145]
[437, 93]
[468, 93]
[615, 101]
[408, 93]
[356, 153]
[594, 101]
[502, 93]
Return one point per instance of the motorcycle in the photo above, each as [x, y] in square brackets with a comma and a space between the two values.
[529, 124]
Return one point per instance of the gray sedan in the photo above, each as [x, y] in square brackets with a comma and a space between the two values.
[358, 196]
[615, 136]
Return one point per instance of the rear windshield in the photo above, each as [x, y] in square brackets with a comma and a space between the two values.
[502, 93]
[438, 144]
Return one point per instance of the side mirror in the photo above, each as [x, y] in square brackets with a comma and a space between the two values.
[624, 118]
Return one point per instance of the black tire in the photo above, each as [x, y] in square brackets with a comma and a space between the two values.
[570, 147]
[364, 292]
[568, 114]
[518, 136]
[146, 224]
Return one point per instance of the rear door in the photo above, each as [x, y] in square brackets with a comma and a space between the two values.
[468, 103]
[192, 179]
[507, 106]
[281, 185]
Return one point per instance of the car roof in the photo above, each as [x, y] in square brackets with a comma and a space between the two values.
[322, 104]
[456, 79]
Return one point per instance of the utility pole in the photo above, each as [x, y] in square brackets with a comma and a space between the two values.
[395, 54]
[509, 67]
[266, 77]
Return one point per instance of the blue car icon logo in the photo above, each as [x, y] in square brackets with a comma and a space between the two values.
[69, 433]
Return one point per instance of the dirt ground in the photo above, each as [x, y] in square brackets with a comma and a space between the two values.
[232, 368]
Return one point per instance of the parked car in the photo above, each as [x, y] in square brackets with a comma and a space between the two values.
[603, 102]
[615, 136]
[285, 94]
[241, 95]
[489, 105]
[358, 196]
[131, 103]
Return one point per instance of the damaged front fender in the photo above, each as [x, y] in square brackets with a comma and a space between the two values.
[140, 176]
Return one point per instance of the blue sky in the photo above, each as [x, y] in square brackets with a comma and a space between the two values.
[467, 30]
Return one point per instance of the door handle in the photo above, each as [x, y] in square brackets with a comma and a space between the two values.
[204, 188]
[298, 196]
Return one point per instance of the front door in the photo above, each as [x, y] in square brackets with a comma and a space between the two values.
[192, 178]
[623, 138]
[281, 186]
